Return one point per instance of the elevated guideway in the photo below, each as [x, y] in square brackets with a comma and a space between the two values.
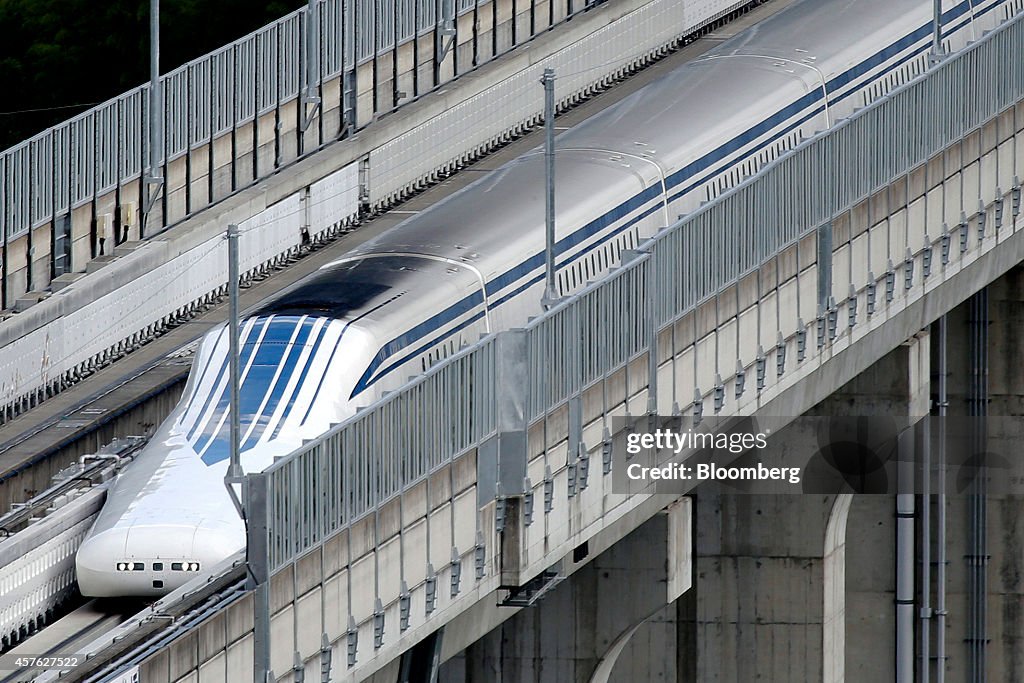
[257, 168]
[108, 403]
[369, 541]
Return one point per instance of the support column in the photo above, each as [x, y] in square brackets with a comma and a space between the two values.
[777, 595]
[613, 620]
[994, 570]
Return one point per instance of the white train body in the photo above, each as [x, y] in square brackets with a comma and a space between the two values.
[474, 263]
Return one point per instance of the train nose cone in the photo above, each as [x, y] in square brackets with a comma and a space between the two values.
[150, 560]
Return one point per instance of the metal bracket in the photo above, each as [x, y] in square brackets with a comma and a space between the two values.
[982, 219]
[404, 607]
[890, 282]
[583, 471]
[780, 355]
[872, 291]
[499, 513]
[378, 624]
[698, 406]
[456, 575]
[851, 305]
[430, 589]
[926, 257]
[307, 116]
[549, 490]
[480, 555]
[908, 270]
[741, 378]
[353, 640]
[833, 318]
[527, 502]
[760, 364]
[801, 340]
[326, 654]
[154, 185]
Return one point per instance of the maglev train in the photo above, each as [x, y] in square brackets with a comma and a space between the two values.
[474, 263]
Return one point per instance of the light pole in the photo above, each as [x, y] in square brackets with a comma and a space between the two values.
[154, 179]
[550, 293]
[936, 53]
[252, 503]
[234, 474]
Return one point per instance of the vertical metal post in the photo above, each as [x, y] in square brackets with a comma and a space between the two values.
[312, 40]
[312, 70]
[153, 158]
[940, 531]
[936, 53]
[824, 244]
[258, 577]
[550, 293]
[234, 474]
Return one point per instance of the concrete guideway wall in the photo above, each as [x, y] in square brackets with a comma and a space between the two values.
[37, 565]
[105, 313]
[452, 487]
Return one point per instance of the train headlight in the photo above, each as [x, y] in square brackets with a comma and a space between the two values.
[192, 567]
[122, 566]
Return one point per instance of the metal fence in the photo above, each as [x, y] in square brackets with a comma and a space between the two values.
[408, 434]
[390, 169]
[91, 154]
[391, 446]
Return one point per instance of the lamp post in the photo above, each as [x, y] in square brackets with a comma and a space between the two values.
[550, 293]
[154, 179]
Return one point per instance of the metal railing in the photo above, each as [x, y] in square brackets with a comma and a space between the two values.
[394, 444]
[390, 170]
[103, 148]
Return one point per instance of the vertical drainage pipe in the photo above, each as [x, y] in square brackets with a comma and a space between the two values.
[976, 558]
[940, 522]
[905, 559]
[924, 427]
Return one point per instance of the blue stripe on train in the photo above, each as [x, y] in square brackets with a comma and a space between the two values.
[275, 351]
